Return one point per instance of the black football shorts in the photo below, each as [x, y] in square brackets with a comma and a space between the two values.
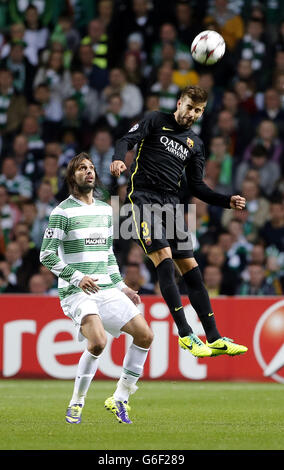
[157, 221]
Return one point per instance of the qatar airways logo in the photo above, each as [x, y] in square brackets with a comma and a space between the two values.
[174, 147]
[268, 342]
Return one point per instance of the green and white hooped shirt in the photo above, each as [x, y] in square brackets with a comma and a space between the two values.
[78, 242]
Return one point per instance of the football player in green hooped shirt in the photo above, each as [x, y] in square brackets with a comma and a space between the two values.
[77, 247]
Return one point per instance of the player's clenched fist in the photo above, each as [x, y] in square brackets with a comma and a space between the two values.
[117, 167]
[88, 285]
[238, 202]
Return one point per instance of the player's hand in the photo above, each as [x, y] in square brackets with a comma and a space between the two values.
[237, 202]
[117, 167]
[88, 285]
[132, 294]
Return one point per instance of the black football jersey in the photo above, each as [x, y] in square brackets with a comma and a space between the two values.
[164, 151]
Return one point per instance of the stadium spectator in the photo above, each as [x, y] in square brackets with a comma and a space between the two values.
[55, 75]
[44, 201]
[13, 106]
[166, 89]
[272, 232]
[51, 109]
[131, 95]
[113, 119]
[22, 70]
[217, 258]
[256, 205]
[141, 19]
[17, 274]
[184, 73]
[97, 77]
[132, 68]
[242, 119]
[227, 128]
[9, 215]
[279, 87]
[245, 97]
[271, 110]
[101, 153]
[32, 130]
[219, 153]
[36, 225]
[5, 286]
[37, 285]
[253, 47]
[134, 279]
[213, 280]
[86, 97]
[267, 135]
[51, 173]
[186, 23]
[16, 34]
[257, 283]
[18, 186]
[98, 39]
[229, 24]
[25, 160]
[167, 34]
[152, 103]
[269, 172]
[235, 259]
[36, 35]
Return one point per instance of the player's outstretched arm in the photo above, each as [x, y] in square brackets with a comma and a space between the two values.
[237, 202]
[117, 167]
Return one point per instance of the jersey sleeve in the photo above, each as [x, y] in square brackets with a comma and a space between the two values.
[137, 133]
[112, 266]
[195, 173]
[54, 234]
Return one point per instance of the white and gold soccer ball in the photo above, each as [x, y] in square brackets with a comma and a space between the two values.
[208, 47]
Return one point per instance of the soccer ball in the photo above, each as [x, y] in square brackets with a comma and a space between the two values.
[208, 47]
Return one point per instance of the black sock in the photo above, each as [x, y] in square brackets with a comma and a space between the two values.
[171, 295]
[200, 301]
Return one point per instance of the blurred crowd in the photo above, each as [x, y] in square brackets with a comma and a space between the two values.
[76, 75]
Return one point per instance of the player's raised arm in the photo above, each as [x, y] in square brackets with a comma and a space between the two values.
[137, 132]
[198, 188]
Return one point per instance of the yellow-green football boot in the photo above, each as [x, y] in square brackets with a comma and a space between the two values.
[195, 346]
[226, 346]
[119, 409]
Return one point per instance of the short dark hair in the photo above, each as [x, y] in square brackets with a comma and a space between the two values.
[259, 151]
[197, 94]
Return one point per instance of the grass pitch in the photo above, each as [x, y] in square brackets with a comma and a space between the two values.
[166, 415]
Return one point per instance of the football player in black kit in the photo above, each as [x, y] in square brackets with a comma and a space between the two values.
[166, 146]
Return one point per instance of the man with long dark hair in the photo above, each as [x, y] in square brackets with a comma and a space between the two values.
[77, 247]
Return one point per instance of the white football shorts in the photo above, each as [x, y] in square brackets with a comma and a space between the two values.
[113, 307]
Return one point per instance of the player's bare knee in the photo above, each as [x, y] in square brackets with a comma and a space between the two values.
[144, 338]
[97, 347]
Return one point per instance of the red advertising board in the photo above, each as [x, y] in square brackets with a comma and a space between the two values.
[38, 340]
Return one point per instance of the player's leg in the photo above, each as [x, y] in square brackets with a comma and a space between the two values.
[199, 298]
[133, 365]
[130, 321]
[165, 269]
[92, 329]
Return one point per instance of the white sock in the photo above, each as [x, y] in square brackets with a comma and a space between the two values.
[133, 365]
[87, 367]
